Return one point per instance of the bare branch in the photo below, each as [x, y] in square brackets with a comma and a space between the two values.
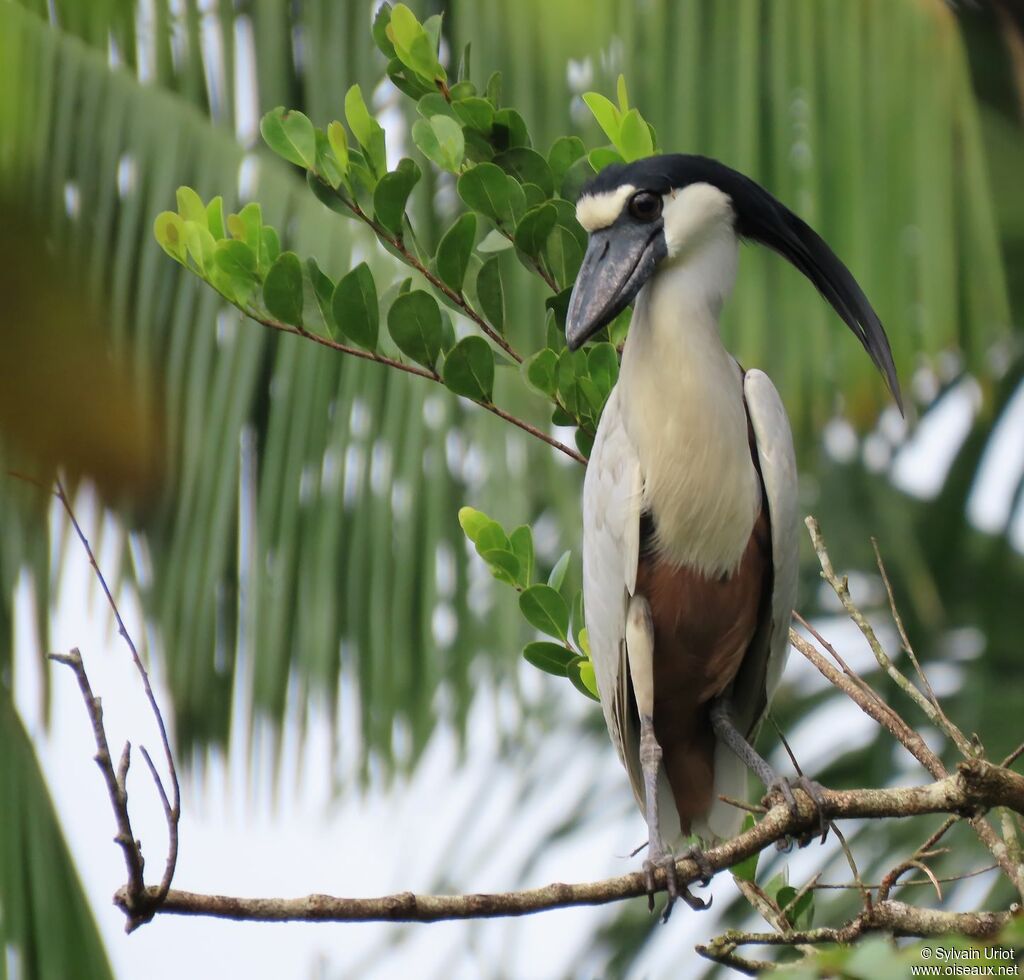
[125, 838]
[139, 901]
[976, 785]
[841, 588]
[894, 918]
[905, 640]
[874, 708]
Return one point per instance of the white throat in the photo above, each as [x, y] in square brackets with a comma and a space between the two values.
[681, 394]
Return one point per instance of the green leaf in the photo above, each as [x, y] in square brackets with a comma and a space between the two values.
[469, 369]
[463, 70]
[541, 371]
[454, 251]
[414, 322]
[581, 674]
[491, 294]
[247, 226]
[528, 167]
[366, 129]
[290, 135]
[503, 564]
[579, 626]
[606, 113]
[492, 90]
[572, 365]
[622, 94]
[492, 537]
[549, 657]
[563, 256]
[584, 442]
[567, 219]
[476, 113]
[473, 521]
[619, 327]
[327, 166]
[634, 140]
[532, 232]
[169, 231]
[323, 289]
[509, 130]
[487, 188]
[441, 141]
[200, 245]
[338, 140]
[282, 289]
[407, 81]
[564, 152]
[392, 193]
[604, 156]
[545, 610]
[215, 217]
[414, 47]
[603, 365]
[746, 870]
[270, 245]
[802, 912]
[557, 576]
[576, 178]
[191, 207]
[356, 308]
[521, 540]
[380, 31]
[235, 270]
[434, 104]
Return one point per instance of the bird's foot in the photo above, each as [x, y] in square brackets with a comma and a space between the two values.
[783, 787]
[666, 861]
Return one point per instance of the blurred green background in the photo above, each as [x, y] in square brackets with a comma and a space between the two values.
[297, 512]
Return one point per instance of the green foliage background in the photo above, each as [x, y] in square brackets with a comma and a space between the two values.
[281, 492]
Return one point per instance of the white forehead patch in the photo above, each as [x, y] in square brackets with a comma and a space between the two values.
[694, 212]
[595, 211]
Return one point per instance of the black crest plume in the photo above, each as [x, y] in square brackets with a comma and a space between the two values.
[760, 217]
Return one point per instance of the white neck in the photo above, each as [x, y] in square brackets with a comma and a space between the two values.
[682, 398]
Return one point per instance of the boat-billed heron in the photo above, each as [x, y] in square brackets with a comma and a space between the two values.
[690, 498]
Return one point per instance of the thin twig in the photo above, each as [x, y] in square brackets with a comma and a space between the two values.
[842, 590]
[115, 780]
[904, 639]
[1013, 756]
[727, 956]
[416, 370]
[895, 918]
[881, 713]
[869, 691]
[847, 885]
[171, 802]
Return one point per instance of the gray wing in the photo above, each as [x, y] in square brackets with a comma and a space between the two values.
[774, 441]
[612, 494]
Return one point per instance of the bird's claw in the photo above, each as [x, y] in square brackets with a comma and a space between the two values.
[784, 786]
[667, 863]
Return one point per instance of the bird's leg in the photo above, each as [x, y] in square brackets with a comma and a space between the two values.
[658, 855]
[726, 730]
[640, 652]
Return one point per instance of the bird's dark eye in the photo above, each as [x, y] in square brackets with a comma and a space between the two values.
[645, 206]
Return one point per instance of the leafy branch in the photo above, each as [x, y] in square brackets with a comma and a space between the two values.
[504, 182]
